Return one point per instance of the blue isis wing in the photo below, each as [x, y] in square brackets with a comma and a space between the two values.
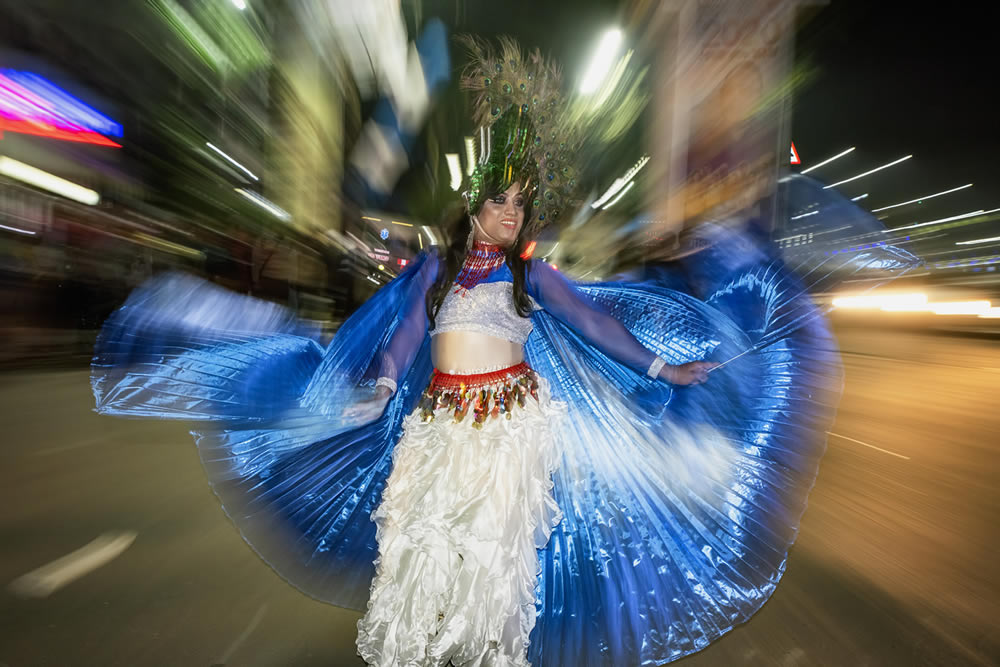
[677, 523]
[295, 473]
[181, 348]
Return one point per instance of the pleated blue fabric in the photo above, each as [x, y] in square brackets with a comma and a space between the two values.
[679, 505]
[678, 514]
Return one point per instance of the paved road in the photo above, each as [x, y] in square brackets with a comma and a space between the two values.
[895, 565]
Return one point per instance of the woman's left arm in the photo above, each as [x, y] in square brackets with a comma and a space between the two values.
[567, 304]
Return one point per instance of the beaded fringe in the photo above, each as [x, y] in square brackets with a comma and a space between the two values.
[487, 395]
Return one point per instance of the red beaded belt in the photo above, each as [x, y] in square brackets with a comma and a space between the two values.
[485, 394]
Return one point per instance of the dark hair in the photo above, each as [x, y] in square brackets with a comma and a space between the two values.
[453, 257]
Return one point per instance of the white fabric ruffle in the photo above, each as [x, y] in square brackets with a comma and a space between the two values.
[462, 516]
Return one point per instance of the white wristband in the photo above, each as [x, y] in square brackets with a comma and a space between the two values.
[387, 382]
[655, 367]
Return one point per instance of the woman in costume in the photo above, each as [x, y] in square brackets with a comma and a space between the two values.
[490, 460]
[468, 502]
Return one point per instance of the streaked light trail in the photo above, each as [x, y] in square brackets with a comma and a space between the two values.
[46, 181]
[470, 155]
[970, 214]
[620, 195]
[430, 235]
[992, 238]
[266, 204]
[455, 169]
[42, 98]
[914, 303]
[18, 230]
[920, 199]
[620, 182]
[868, 173]
[231, 160]
[828, 160]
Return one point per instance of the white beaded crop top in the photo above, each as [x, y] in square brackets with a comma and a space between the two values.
[486, 308]
[481, 301]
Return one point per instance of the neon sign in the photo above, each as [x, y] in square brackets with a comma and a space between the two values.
[30, 104]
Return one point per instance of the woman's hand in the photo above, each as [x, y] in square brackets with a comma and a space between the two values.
[693, 372]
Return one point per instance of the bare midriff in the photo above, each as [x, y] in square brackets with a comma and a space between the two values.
[468, 352]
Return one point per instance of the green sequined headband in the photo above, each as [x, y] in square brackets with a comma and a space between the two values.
[516, 102]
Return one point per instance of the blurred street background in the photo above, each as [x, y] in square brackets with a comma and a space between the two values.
[895, 563]
[304, 151]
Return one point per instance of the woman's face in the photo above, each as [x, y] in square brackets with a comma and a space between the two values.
[501, 217]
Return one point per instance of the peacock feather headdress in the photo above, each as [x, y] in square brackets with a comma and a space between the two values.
[516, 102]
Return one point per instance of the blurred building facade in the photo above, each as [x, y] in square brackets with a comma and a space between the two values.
[228, 164]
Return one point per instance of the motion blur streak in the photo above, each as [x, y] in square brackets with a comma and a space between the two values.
[304, 153]
[46, 181]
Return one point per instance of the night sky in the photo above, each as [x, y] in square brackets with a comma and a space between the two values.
[900, 78]
[890, 78]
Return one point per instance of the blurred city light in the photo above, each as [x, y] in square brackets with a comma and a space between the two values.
[39, 95]
[828, 160]
[470, 155]
[961, 308]
[941, 220]
[882, 301]
[620, 182]
[46, 181]
[266, 204]
[915, 302]
[49, 132]
[430, 235]
[32, 105]
[620, 195]
[977, 241]
[455, 169]
[600, 64]
[920, 199]
[18, 230]
[231, 160]
[867, 173]
[192, 33]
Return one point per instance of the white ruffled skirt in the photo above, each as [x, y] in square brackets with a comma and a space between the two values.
[463, 514]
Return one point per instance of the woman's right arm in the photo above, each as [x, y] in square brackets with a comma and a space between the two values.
[562, 300]
[402, 347]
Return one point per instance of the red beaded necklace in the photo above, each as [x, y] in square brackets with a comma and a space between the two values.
[479, 262]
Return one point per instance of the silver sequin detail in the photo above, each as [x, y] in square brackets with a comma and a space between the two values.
[487, 308]
[654, 368]
[386, 382]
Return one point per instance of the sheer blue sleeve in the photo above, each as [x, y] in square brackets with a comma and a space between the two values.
[410, 328]
[562, 300]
